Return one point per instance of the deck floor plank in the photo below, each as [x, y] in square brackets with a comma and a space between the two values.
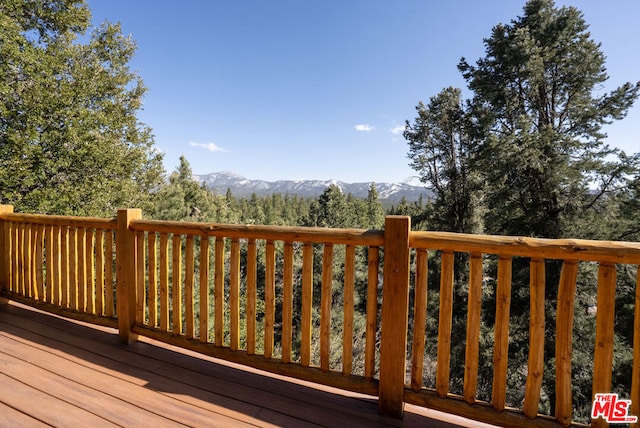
[10, 417]
[45, 407]
[60, 372]
[138, 393]
[97, 402]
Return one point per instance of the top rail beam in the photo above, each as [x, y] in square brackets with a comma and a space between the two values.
[564, 249]
[373, 238]
[60, 220]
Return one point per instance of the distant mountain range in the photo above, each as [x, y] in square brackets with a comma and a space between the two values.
[243, 187]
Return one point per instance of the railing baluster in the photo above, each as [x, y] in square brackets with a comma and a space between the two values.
[472, 348]
[564, 328]
[325, 305]
[153, 281]
[164, 282]
[188, 287]
[444, 324]
[605, 320]
[287, 302]
[419, 319]
[219, 292]
[251, 295]
[73, 268]
[307, 297]
[29, 261]
[347, 329]
[34, 263]
[52, 292]
[82, 274]
[501, 345]
[21, 260]
[108, 275]
[204, 289]
[55, 265]
[140, 278]
[39, 279]
[36, 294]
[176, 283]
[34, 260]
[373, 266]
[15, 253]
[269, 298]
[535, 365]
[64, 268]
[234, 295]
[99, 271]
[91, 274]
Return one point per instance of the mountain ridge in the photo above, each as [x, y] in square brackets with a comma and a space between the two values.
[242, 187]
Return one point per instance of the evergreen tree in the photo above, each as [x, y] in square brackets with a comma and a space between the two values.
[70, 142]
[374, 211]
[540, 119]
[533, 134]
[332, 209]
[440, 151]
[183, 199]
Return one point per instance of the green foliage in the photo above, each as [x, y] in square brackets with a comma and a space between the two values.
[70, 142]
[526, 156]
[183, 199]
[539, 115]
[440, 151]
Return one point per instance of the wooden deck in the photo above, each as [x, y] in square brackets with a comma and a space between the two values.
[57, 372]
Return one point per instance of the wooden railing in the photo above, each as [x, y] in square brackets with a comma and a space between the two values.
[537, 251]
[206, 287]
[188, 272]
[63, 264]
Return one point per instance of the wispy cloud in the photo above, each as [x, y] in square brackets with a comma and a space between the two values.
[363, 127]
[397, 130]
[209, 146]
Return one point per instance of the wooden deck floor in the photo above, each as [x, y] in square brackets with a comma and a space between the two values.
[56, 372]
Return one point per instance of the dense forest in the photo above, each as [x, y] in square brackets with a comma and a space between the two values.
[524, 155]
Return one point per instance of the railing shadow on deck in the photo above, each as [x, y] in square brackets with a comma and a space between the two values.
[247, 396]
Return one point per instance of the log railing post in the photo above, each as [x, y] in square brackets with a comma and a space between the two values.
[126, 274]
[395, 310]
[4, 250]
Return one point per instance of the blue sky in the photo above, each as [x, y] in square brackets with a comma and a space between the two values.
[299, 89]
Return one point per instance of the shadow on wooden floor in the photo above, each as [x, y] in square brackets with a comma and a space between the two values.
[84, 370]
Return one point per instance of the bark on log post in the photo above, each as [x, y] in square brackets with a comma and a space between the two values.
[126, 274]
[395, 310]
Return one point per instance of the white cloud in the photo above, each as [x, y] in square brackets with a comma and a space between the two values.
[209, 146]
[364, 127]
[397, 130]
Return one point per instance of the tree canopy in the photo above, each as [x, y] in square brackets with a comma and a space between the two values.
[70, 140]
[526, 155]
[532, 132]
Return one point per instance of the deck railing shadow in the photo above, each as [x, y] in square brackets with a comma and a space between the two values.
[195, 379]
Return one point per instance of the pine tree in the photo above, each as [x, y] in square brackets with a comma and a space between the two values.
[70, 141]
[540, 117]
[440, 151]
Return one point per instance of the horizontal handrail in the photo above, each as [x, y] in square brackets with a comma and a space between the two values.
[372, 238]
[536, 248]
[59, 220]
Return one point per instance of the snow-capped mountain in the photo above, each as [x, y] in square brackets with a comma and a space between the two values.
[243, 187]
